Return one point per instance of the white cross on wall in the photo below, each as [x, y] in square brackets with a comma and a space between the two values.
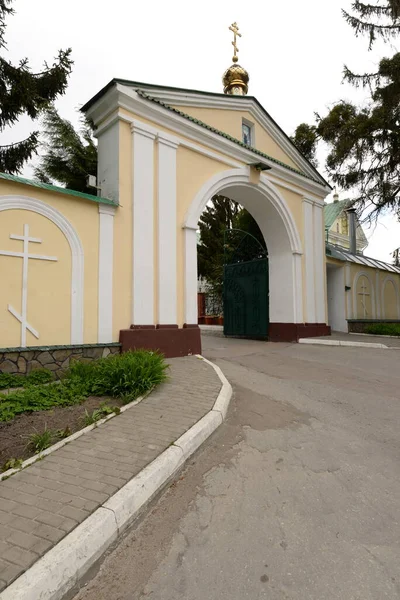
[364, 294]
[22, 318]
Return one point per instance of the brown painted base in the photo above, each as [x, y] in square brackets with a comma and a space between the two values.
[292, 332]
[168, 339]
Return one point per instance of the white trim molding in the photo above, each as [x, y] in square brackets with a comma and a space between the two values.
[309, 264]
[279, 229]
[241, 177]
[355, 282]
[167, 216]
[319, 264]
[396, 289]
[106, 259]
[143, 138]
[77, 254]
[190, 250]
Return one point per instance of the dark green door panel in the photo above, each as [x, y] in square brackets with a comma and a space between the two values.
[246, 294]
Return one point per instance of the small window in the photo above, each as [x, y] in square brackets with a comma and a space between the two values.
[246, 134]
[337, 227]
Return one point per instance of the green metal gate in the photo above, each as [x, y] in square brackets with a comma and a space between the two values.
[245, 287]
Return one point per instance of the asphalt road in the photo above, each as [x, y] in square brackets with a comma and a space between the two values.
[296, 496]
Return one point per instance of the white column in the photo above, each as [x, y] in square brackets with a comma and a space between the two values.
[106, 257]
[190, 276]
[167, 223]
[309, 259]
[298, 288]
[143, 224]
[319, 264]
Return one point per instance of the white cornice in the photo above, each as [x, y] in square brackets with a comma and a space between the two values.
[104, 113]
[239, 104]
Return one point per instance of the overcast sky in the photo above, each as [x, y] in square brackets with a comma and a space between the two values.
[294, 52]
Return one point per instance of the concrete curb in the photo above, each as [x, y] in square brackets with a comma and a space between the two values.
[61, 568]
[31, 460]
[321, 342]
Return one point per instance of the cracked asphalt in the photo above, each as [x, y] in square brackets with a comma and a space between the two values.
[296, 496]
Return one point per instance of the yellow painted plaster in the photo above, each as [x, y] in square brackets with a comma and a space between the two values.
[230, 121]
[83, 216]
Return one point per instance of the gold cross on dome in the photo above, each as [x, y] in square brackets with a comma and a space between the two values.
[235, 30]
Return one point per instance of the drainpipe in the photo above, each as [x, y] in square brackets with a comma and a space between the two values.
[351, 212]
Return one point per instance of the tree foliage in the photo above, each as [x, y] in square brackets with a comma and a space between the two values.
[68, 155]
[364, 141]
[221, 232]
[24, 92]
[305, 140]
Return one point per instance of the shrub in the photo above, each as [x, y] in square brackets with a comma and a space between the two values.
[127, 375]
[383, 329]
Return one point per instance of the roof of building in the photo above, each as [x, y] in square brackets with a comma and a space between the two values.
[345, 255]
[332, 211]
[57, 189]
[137, 85]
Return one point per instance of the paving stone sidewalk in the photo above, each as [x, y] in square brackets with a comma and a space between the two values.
[46, 501]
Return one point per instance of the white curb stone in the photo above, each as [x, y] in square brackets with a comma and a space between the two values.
[60, 569]
[321, 342]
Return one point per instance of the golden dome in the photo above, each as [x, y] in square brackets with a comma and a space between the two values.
[236, 80]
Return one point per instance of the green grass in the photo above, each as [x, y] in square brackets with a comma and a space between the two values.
[125, 376]
[40, 441]
[383, 329]
[11, 380]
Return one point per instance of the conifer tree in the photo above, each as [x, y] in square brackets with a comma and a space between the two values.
[68, 155]
[364, 142]
[24, 92]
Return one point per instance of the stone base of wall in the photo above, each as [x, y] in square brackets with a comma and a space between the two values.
[360, 325]
[292, 332]
[54, 358]
[168, 339]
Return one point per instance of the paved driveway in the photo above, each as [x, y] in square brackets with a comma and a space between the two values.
[296, 496]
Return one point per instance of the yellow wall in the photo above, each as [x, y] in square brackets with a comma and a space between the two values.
[230, 121]
[49, 296]
[381, 288]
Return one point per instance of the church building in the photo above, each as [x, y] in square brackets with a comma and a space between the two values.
[94, 271]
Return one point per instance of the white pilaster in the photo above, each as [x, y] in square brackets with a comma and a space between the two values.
[143, 224]
[309, 259]
[298, 288]
[167, 265]
[190, 276]
[106, 254]
[319, 264]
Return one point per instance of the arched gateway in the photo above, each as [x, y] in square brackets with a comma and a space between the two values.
[163, 153]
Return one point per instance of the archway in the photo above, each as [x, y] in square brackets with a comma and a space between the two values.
[269, 209]
[75, 244]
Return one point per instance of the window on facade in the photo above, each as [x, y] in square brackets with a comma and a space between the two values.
[246, 134]
[337, 227]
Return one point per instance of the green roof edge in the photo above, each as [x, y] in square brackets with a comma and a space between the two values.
[57, 189]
